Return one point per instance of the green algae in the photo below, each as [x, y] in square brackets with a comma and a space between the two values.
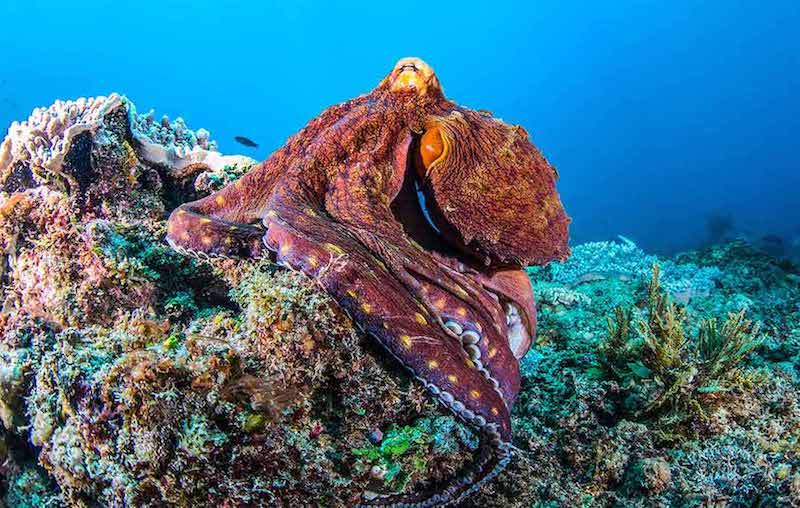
[405, 451]
[397, 442]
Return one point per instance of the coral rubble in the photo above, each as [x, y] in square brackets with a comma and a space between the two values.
[131, 375]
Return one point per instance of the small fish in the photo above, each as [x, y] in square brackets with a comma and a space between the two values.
[246, 141]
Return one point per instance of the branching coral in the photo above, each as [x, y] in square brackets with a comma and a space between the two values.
[676, 372]
[173, 145]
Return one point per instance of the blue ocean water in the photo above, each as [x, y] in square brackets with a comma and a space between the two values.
[658, 115]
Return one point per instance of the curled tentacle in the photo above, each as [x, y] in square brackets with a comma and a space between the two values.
[442, 354]
[492, 458]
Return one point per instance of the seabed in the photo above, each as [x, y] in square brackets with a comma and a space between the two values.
[132, 375]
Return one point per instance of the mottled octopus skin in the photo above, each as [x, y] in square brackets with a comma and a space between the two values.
[338, 203]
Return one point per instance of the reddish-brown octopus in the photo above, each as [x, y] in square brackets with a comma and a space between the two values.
[417, 215]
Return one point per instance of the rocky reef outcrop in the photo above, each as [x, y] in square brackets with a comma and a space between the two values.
[132, 375]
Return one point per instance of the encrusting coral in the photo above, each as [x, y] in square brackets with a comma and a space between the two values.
[34, 151]
[133, 376]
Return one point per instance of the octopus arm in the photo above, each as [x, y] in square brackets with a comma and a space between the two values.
[225, 223]
[308, 240]
[357, 201]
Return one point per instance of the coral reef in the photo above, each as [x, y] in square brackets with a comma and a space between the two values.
[625, 261]
[33, 152]
[633, 397]
[133, 376]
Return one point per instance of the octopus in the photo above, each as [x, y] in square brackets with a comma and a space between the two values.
[417, 215]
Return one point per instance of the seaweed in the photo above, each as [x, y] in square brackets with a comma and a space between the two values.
[402, 452]
[664, 369]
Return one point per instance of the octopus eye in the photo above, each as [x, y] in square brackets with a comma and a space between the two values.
[431, 146]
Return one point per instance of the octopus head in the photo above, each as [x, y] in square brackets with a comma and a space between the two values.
[488, 197]
[492, 193]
